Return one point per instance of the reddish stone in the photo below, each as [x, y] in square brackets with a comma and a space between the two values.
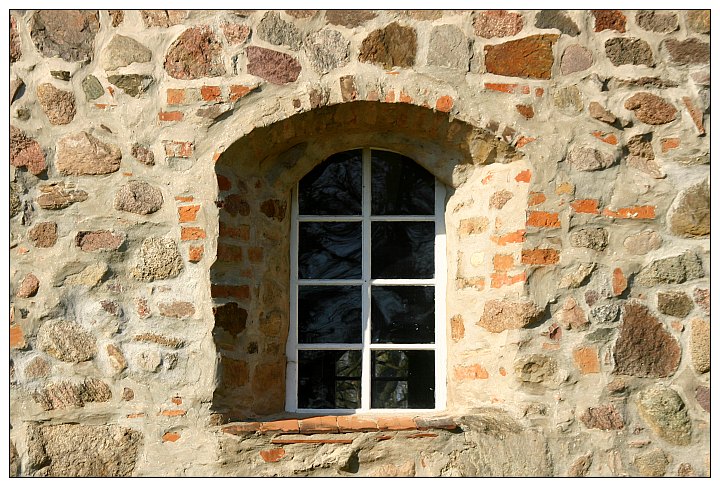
[571, 315]
[274, 209]
[58, 105]
[619, 282]
[273, 455]
[695, 114]
[195, 54]
[651, 109]
[604, 417]
[43, 235]
[609, 20]
[28, 287]
[17, 338]
[669, 144]
[162, 18]
[235, 33]
[702, 395]
[224, 183]
[586, 359]
[526, 111]
[535, 199]
[497, 23]
[523, 176]
[503, 315]
[26, 152]
[702, 299]
[644, 348]
[15, 43]
[689, 51]
[531, 57]
[99, 240]
[170, 436]
[273, 66]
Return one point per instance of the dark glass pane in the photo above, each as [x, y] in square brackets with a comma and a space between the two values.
[329, 314]
[329, 379]
[403, 250]
[400, 186]
[330, 250]
[403, 379]
[334, 187]
[403, 314]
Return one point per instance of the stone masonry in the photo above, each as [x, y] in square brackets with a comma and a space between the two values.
[153, 154]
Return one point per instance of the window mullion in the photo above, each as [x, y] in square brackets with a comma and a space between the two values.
[291, 380]
[366, 248]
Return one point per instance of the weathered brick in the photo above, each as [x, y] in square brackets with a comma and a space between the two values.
[239, 91]
[188, 214]
[473, 226]
[503, 262]
[500, 279]
[174, 116]
[470, 372]
[210, 93]
[511, 88]
[619, 282]
[177, 309]
[175, 96]
[535, 199]
[444, 103]
[195, 253]
[255, 254]
[540, 256]
[229, 253]
[526, 111]
[523, 176]
[518, 236]
[272, 455]
[457, 328]
[543, 219]
[241, 232]
[668, 144]
[178, 149]
[646, 212]
[191, 233]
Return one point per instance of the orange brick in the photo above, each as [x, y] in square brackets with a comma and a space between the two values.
[170, 436]
[444, 104]
[543, 219]
[227, 291]
[272, 455]
[586, 359]
[184, 199]
[175, 96]
[669, 144]
[507, 88]
[586, 206]
[239, 428]
[210, 93]
[405, 98]
[500, 279]
[191, 233]
[170, 116]
[17, 338]
[523, 141]
[503, 262]
[238, 91]
[176, 400]
[523, 176]
[282, 425]
[619, 282]
[319, 424]
[195, 253]
[535, 199]
[633, 212]
[174, 412]
[470, 372]
[518, 236]
[255, 254]
[605, 137]
[540, 256]
[188, 213]
[241, 232]
[396, 423]
[348, 424]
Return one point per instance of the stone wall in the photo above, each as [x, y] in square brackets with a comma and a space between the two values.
[153, 155]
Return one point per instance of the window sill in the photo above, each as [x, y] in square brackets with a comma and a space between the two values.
[340, 424]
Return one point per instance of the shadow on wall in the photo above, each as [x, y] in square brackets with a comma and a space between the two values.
[256, 174]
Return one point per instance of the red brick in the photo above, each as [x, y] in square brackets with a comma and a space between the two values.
[619, 282]
[273, 455]
[586, 359]
[523, 141]
[282, 425]
[255, 254]
[503, 262]
[241, 232]
[174, 412]
[605, 137]
[195, 253]
[500, 279]
[184, 199]
[633, 212]
[170, 436]
[444, 104]
[210, 93]
[348, 424]
[170, 116]
[396, 423]
[178, 149]
[586, 206]
[543, 219]
[510, 88]
[518, 236]
[523, 176]
[470, 372]
[238, 91]
[227, 291]
[229, 253]
[188, 213]
[540, 256]
[191, 233]
[535, 199]
[175, 96]
[224, 183]
[239, 428]
[526, 111]
[319, 424]
[668, 144]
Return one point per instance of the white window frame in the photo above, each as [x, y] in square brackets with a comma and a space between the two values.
[439, 282]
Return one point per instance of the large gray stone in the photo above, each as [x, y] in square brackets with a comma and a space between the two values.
[66, 341]
[83, 154]
[327, 50]
[159, 259]
[700, 345]
[643, 242]
[122, 51]
[69, 34]
[448, 48]
[536, 368]
[657, 21]
[689, 51]
[644, 347]
[554, 19]
[689, 215]
[77, 450]
[590, 159]
[664, 411]
[590, 238]
[626, 50]
[671, 270]
[58, 105]
[62, 395]
[132, 84]
[277, 31]
[92, 88]
[674, 303]
[500, 315]
[138, 197]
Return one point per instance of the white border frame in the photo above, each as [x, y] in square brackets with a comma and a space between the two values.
[439, 282]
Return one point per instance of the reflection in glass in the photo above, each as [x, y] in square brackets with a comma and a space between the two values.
[403, 379]
[329, 314]
[334, 187]
[403, 314]
[330, 250]
[403, 250]
[400, 186]
[329, 379]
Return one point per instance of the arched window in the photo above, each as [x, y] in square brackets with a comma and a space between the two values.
[367, 287]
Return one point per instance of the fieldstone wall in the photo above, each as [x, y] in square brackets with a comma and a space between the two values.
[152, 159]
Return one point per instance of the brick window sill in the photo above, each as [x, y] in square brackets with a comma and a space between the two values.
[340, 424]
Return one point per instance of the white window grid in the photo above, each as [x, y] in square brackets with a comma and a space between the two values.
[438, 281]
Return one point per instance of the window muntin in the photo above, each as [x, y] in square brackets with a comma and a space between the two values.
[368, 283]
